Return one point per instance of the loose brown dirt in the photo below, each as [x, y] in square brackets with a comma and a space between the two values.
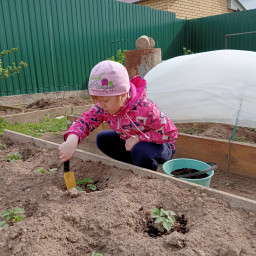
[112, 220]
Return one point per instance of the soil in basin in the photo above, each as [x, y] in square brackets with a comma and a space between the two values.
[188, 171]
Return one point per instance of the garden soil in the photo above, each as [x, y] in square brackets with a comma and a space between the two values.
[113, 220]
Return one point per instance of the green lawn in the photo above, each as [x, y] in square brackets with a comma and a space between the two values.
[36, 129]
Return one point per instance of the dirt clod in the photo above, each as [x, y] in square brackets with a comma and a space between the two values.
[175, 239]
[73, 192]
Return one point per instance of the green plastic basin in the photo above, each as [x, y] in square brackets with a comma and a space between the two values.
[180, 163]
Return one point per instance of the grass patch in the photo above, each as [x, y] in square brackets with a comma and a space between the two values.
[36, 129]
[242, 139]
[193, 130]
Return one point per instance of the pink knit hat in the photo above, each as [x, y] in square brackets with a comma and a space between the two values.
[108, 78]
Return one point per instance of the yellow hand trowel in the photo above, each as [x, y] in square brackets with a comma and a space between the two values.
[69, 176]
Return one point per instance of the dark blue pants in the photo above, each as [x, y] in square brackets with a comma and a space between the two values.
[144, 154]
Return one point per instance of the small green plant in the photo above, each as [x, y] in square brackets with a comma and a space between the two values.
[12, 157]
[42, 170]
[187, 51]
[96, 254]
[120, 57]
[166, 217]
[4, 224]
[243, 139]
[193, 130]
[3, 146]
[87, 182]
[229, 183]
[11, 217]
[13, 69]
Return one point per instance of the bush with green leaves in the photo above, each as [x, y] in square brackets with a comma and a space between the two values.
[166, 217]
[87, 182]
[13, 69]
[12, 157]
[187, 51]
[120, 57]
[11, 217]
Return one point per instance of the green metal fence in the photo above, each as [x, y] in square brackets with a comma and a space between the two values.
[62, 40]
[211, 33]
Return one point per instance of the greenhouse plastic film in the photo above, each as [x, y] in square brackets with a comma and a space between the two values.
[217, 86]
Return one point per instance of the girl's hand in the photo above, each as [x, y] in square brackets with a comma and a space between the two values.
[68, 148]
[130, 142]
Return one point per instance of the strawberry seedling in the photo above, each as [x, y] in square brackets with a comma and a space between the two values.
[40, 170]
[165, 217]
[192, 130]
[87, 182]
[12, 157]
[11, 217]
[242, 139]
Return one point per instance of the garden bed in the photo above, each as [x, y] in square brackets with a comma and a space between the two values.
[114, 219]
[42, 104]
[39, 109]
[222, 180]
[219, 131]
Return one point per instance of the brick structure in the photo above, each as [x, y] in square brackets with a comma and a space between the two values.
[194, 9]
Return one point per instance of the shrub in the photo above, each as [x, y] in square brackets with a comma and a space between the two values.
[13, 69]
[120, 57]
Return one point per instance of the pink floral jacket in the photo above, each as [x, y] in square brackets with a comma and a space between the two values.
[139, 116]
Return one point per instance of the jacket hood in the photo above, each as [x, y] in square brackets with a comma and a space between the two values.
[138, 90]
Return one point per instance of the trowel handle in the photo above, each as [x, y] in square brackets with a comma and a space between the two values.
[66, 166]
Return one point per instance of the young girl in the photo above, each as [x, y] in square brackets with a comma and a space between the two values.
[142, 135]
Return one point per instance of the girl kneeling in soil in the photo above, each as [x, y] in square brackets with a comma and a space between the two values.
[142, 135]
